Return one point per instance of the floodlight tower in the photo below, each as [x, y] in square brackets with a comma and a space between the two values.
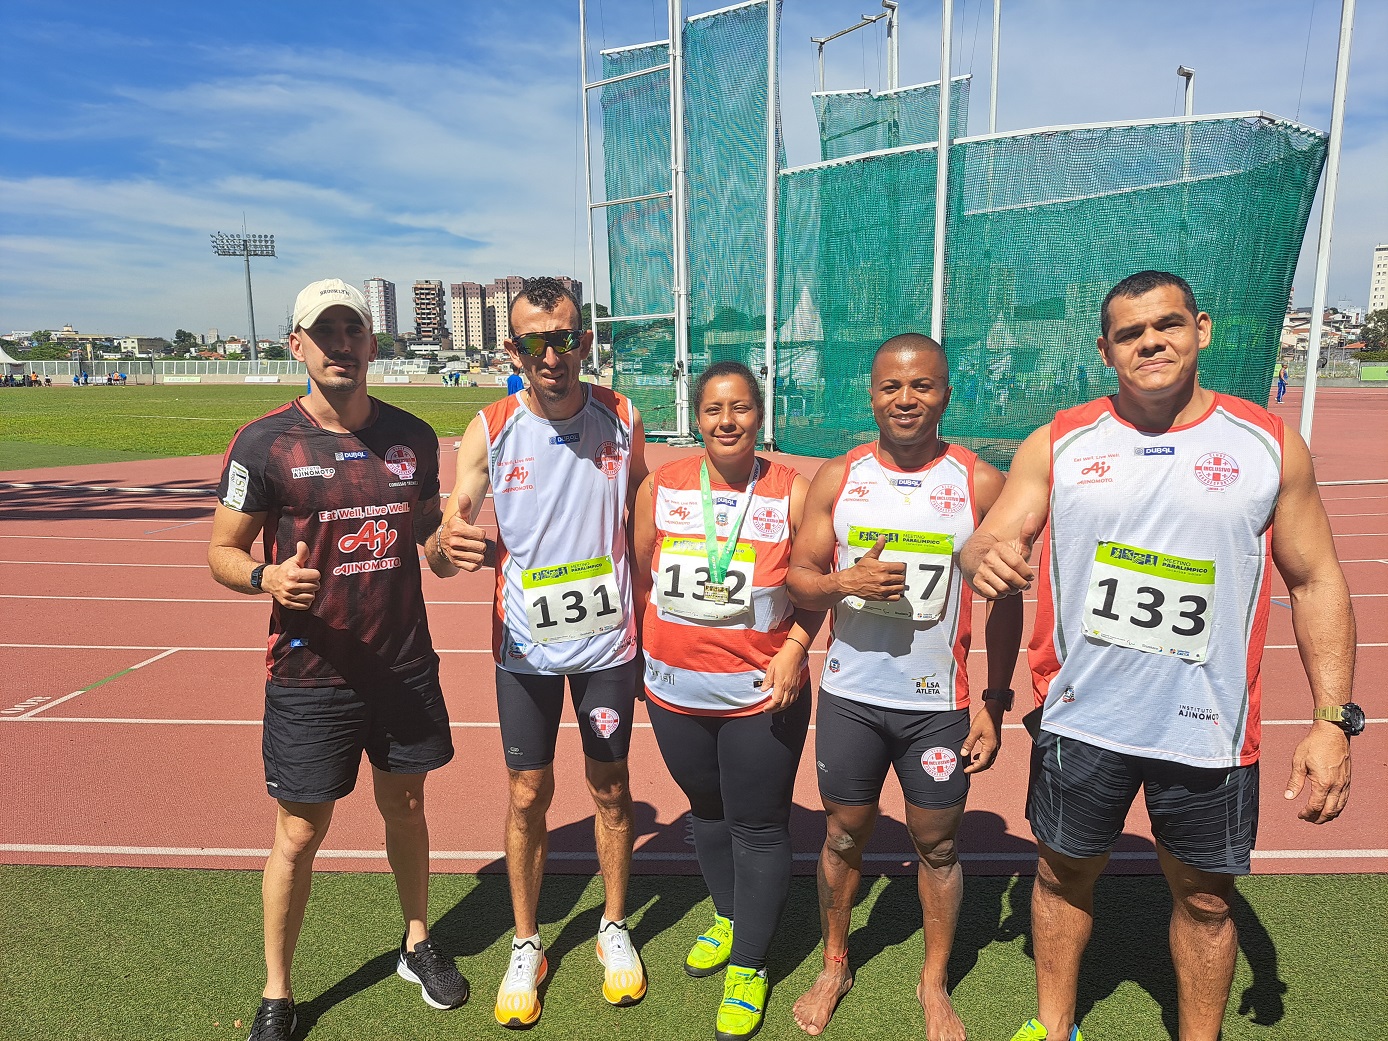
[244, 245]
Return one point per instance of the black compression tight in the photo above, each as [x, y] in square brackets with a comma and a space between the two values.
[739, 775]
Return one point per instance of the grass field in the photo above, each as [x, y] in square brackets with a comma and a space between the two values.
[62, 426]
[116, 953]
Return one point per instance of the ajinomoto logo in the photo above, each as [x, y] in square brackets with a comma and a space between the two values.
[377, 536]
[856, 490]
[680, 513]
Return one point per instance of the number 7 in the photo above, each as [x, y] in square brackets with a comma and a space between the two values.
[936, 570]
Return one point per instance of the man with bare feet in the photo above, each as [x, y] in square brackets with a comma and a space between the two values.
[878, 545]
[1167, 503]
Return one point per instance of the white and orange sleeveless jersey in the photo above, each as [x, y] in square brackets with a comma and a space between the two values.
[1155, 575]
[706, 666]
[903, 662]
[563, 581]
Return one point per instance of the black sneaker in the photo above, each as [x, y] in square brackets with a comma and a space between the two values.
[275, 1020]
[440, 982]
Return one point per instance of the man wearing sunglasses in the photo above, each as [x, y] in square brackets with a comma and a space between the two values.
[563, 460]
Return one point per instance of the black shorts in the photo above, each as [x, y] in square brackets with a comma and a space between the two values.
[1079, 796]
[529, 708]
[314, 736]
[855, 743]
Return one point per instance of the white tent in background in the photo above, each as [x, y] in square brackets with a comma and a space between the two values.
[803, 325]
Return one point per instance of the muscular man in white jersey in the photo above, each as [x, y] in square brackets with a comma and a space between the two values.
[563, 460]
[1167, 506]
[881, 531]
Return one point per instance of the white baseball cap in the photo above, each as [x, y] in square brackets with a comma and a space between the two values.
[314, 299]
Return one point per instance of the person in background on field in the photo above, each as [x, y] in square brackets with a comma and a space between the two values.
[728, 691]
[879, 546]
[341, 487]
[515, 383]
[1161, 511]
[1281, 382]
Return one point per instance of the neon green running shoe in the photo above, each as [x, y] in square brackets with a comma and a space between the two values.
[744, 1002]
[1032, 1030]
[710, 951]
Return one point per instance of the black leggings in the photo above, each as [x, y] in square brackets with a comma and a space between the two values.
[739, 775]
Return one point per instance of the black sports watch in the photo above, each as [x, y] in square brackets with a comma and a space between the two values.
[257, 573]
[1349, 717]
[1005, 696]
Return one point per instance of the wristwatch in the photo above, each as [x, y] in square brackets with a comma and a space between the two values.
[257, 573]
[1349, 717]
[1005, 696]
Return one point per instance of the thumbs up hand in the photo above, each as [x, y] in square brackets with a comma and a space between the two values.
[293, 583]
[463, 544]
[1006, 567]
[872, 578]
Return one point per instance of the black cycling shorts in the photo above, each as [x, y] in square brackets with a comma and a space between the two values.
[529, 708]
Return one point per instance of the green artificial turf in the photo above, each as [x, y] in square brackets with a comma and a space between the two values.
[152, 954]
[186, 419]
[22, 455]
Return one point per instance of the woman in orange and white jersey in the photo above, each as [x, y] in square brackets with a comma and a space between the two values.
[728, 691]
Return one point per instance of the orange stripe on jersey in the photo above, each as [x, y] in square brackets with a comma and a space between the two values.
[496, 415]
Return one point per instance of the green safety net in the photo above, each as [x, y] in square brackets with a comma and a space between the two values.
[640, 235]
[1040, 227]
[852, 122]
[725, 132]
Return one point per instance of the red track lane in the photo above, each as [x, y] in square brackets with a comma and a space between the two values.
[128, 784]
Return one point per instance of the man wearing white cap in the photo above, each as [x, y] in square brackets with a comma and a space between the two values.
[340, 487]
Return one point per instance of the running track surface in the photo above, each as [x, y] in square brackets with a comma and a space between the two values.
[130, 719]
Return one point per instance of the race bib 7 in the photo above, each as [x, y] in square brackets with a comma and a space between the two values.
[929, 559]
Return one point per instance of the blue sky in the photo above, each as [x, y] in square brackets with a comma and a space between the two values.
[443, 140]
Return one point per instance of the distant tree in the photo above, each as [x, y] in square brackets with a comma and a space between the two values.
[275, 352]
[183, 338]
[10, 347]
[43, 336]
[605, 329]
[1376, 330]
[386, 344]
[45, 352]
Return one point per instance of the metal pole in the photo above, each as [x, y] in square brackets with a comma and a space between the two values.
[1332, 175]
[821, 66]
[250, 306]
[588, 185]
[893, 46]
[769, 426]
[1188, 74]
[993, 75]
[681, 246]
[937, 275]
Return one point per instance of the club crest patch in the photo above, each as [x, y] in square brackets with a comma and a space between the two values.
[939, 762]
[604, 722]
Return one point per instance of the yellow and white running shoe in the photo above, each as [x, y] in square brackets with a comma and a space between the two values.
[518, 998]
[624, 981]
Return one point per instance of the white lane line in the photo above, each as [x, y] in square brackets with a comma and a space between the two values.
[254, 601]
[1361, 535]
[33, 713]
[98, 563]
[111, 538]
[481, 725]
[640, 855]
[50, 486]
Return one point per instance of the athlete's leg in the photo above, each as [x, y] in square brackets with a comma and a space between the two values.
[1204, 945]
[299, 830]
[852, 757]
[1062, 918]
[527, 842]
[400, 798]
[689, 746]
[940, 881]
[613, 831]
[758, 757]
[603, 702]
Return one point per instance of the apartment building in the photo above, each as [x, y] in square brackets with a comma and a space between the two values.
[468, 312]
[1378, 280]
[430, 312]
[380, 299]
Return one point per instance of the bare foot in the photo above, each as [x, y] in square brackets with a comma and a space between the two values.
[941, 1023]
[814, 1008]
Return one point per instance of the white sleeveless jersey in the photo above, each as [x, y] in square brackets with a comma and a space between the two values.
[901, 662]
[563, 584]
[1155, 575]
